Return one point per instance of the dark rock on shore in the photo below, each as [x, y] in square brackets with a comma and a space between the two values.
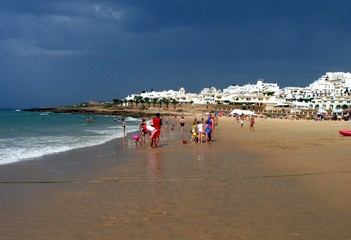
[104, 110]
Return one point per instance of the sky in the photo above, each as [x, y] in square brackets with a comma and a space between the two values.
[60, 52]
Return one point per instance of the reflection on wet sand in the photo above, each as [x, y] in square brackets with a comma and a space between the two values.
[154, 165]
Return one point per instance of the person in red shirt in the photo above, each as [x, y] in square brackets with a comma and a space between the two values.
[157, 123]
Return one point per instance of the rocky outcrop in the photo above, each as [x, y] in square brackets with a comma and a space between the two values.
[108, 110]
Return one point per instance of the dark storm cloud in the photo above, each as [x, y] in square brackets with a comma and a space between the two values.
[58, 52]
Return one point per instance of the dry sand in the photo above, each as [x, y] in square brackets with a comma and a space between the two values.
[286, 180]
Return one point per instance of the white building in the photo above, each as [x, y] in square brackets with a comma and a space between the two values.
[332, 84]
[259, 87]
[170, 94]
[297, 93]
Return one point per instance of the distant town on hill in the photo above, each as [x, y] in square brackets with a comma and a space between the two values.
[330, 92]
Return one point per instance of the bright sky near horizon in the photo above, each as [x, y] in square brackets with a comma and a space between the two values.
[57, 52]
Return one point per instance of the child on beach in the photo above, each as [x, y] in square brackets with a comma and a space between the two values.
[193, 132]
[142, 131]
[200, 130]
[136, 139]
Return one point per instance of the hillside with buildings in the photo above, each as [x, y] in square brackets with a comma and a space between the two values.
[331, 92]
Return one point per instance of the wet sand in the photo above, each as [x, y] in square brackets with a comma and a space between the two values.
[286, 180]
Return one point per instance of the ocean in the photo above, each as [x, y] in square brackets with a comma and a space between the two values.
[28, 135]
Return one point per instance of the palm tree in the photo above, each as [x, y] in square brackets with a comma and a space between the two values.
[137, 100]
[131, 101]
[174, 102]
[116, 101]
[154, 101]
[147, 100]
[166, 101]
[344, 106]
[160, 101]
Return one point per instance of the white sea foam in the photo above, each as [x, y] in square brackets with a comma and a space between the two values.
[26, 148]
[27, 135]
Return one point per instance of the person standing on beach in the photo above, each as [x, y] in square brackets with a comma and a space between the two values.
[210, 123]
[215, 120]
[182, 124]
[124, 126]
[242, 118]
[157, 123]
[252, 122]
[208, 133]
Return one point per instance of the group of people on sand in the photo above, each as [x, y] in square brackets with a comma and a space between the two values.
[203, 129]
[153, 130]
[241, 118]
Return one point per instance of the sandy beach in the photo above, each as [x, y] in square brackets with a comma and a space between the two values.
[289, 179]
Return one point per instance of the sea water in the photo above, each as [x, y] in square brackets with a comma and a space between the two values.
[28, 135]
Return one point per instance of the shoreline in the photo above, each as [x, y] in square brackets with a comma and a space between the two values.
[286, 180]
[111, 147]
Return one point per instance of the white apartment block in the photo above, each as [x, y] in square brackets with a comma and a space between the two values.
[331, 91]
[259, 87]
